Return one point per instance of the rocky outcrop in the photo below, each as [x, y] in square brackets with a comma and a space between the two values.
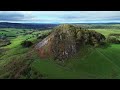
[66, 40]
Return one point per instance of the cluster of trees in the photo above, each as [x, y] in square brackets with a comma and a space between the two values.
[115, 34]
[90, 37]
[3, 37]
[42, 36]
[26, 44]
[113, 38]
[4, 42]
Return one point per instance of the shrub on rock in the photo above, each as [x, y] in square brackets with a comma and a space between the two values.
[113, 39]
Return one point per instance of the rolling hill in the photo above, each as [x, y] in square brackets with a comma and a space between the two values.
[26, 25]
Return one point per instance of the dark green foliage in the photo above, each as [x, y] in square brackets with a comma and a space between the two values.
[3, 37]
[96, 38]
[114, 34]
[42, 36]
[113, 38]
[26, 43]
[4, 42]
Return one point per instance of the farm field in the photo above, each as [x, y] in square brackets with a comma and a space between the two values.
[106, 32]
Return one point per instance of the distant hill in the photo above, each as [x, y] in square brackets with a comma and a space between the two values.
[26, 25]
[99, 25]
[50, 26]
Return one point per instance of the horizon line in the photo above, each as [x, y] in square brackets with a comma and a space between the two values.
[61, 23]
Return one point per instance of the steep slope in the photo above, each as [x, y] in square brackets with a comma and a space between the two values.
[66, 40]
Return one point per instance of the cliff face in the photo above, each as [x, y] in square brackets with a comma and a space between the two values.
[66, 40]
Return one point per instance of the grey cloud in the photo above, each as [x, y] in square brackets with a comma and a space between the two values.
[14, 16]
[11, 16]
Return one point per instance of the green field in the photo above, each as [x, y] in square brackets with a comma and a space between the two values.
[106, 32]
[91, 63]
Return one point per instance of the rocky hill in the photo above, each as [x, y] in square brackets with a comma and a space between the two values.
[66, 40]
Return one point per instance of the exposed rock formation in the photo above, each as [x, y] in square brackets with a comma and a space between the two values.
[66, 40]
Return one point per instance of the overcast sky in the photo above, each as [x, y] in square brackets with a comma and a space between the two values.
[60, 16]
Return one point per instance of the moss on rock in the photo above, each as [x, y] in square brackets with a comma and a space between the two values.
[66, 40]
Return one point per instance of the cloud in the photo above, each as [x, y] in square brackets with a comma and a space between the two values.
[11, 17]
[14, 16]
[60, 16]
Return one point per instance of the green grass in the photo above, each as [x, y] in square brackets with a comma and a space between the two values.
[99, 63]
[54, 71]
[106, 32]
[11, 31]
[15, 51]
[96, 63]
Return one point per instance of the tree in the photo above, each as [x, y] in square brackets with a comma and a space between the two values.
[26, 43]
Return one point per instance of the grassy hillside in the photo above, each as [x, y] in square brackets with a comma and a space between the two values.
[19, 62]
[98, 63]
[14, 54]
